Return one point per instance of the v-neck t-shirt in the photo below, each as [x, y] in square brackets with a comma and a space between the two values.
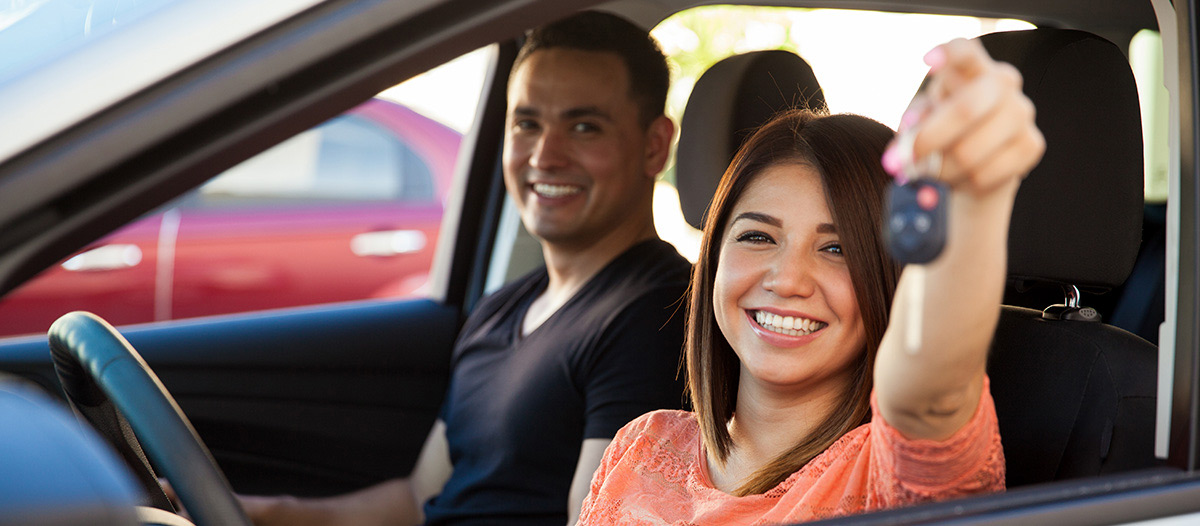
[519, 407]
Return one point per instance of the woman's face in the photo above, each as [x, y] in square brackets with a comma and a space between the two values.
[782, 295]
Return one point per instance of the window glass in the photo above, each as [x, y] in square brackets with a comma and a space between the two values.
[885, 47]
[698, 38]
[43, 29]
[1146, 58]
[351, 209]
[349, 158]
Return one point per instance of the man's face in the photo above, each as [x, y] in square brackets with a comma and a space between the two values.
[575, 154]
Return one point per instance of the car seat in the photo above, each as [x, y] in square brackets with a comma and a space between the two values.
[1075, 397]
[731, 99]
[55, 471]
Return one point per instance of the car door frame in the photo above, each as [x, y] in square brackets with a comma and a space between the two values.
[190, 150]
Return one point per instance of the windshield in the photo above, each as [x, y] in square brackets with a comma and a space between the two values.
[35, 32]
[62, 61]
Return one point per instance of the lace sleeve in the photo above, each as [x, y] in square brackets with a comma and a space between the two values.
[612, 454]
[905, 471]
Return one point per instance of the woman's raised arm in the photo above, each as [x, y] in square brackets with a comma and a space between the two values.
[976, 116]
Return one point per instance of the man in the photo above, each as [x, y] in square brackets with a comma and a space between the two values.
[548, 368]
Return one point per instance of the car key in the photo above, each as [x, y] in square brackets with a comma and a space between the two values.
[916, 224]
[916, 230]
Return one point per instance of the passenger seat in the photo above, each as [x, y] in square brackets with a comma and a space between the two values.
[1075, 397]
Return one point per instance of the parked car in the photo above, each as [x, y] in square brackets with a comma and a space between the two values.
[359, 197]
[329, 398]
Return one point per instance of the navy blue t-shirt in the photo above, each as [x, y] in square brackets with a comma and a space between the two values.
[519, 407]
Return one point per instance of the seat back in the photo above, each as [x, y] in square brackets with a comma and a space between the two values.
[1074, 396]
[730, 100]
[56, 472]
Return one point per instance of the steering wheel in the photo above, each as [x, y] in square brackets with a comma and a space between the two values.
[109, 383]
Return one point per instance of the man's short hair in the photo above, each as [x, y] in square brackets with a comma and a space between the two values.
[645, 63]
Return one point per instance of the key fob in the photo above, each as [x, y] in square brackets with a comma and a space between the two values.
[916, 221]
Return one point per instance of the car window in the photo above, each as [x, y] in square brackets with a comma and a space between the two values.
[697, 38]
[64, 60]
[349, 158]
[1146, 59]
[348, 210]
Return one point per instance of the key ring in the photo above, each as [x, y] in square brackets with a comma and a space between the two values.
[929, 166]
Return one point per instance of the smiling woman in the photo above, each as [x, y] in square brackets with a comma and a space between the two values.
[806, 406]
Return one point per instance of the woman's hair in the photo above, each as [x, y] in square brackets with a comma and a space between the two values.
[845, 150]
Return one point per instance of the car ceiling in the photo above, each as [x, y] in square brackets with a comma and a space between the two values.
[1100, 16]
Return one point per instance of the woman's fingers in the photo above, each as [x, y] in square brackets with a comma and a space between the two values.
[1010, 123]
[1013, 160]
[977, 118]
[955, 63]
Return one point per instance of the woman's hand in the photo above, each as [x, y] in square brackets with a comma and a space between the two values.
[974, 114]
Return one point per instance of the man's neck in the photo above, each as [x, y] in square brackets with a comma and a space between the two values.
[569, 268]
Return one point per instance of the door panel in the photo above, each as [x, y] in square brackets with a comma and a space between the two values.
[309, 401]
[114, 277]
[241, 261]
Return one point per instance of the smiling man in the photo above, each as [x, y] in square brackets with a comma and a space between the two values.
[547, 369]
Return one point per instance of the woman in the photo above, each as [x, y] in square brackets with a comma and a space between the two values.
[810, 402]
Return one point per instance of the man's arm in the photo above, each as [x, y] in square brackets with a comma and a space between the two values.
[590, 455]
[396, 501]
[432, 470]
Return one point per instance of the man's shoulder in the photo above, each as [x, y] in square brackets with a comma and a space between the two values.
[656, 261]
[648, 269]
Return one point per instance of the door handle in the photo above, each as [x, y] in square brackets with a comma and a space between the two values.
[107, 257]
[387, 243]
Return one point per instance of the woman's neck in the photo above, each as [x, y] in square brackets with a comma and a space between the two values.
[767, 422]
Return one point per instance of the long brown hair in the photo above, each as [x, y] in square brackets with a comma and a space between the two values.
[845, 150]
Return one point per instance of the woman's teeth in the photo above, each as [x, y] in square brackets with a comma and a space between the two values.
[555, 190]
[788, 325]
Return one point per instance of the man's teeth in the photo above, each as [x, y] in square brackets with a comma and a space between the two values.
[788, 325]
[555, 190]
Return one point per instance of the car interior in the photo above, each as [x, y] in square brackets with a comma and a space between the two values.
[325, 399]
[1074, 396]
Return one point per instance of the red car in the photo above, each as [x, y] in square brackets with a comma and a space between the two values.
[348, 210]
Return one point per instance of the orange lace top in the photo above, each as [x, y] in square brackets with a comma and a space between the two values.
[655, 472]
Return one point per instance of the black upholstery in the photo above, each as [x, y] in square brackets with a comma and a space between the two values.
[1078, 217]
[731, 99]
[1140, 306]
[1074, 398]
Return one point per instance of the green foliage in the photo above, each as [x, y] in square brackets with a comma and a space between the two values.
[697, 38]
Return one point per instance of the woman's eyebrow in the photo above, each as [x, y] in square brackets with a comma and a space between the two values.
[826, 228]
[760, 217]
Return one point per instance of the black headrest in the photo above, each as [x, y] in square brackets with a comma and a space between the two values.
[1078, 216]
[731, 99]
